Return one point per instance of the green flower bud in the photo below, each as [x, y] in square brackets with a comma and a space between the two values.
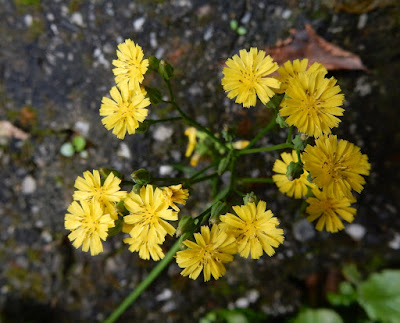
[250, 198]
[185, 225]
[141, 176]
[294, 170]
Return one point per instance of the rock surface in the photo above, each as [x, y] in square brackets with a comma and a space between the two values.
[55, 66]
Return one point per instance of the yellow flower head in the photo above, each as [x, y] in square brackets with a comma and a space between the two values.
[210, 251]
[124, 111]
[191, 134]
[296, 188]
[148, 212]
[130, 65]
[90, 188]
[175, 194]
[328, 210]
[146, 250]
[240, 144]
[290, 70]
[336, 166]
[88, 225]
[312, 103]
[254, 228]
[245, 77]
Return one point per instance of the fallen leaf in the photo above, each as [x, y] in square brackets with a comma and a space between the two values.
[307, 44]
[8, 130]
[358, 6]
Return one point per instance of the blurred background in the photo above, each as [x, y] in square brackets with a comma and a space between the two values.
[55, 66]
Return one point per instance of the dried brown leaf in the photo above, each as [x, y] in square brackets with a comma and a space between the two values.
[307, 44]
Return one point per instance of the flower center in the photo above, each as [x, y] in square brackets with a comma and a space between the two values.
[249, 78]
[335, 168]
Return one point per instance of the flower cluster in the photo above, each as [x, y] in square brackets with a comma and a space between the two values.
[127, 106]
[93, 210]
[326, 172]
[251, 232]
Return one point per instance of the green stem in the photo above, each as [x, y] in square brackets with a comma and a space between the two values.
[261, 149]
[289, 136]
[256, 180]
[152, 121]
[202, 171]
[190, 120]
[262, 133]
[204, 178]
[146, 282]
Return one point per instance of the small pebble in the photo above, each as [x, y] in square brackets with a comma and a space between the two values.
[124, 151]
[162, 133]
[355, 231]
[28, 185]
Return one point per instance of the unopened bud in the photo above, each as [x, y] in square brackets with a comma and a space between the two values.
[250, 198]
[294, 170]
[186, 225]
[141, 176]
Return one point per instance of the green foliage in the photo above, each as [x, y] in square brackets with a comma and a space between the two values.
[379, 295]
[76, 145]
[300, 142]
[116, 229]
[319, 315]
[224, 163]
[234, 316]
[294, 170]
[346, 296]
[240, 30]
[351, 273]
[154, 95]
[165, 70]
[79, 143]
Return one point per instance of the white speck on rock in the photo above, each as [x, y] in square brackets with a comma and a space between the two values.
[168, 307]
[246, 18]
[77, 19]
[355, 231]
[82, 127]
[153, 40]
[253, 295]
[138, 23]
[362, 87]
[164, 295]
[28, 185]
[124, 151]
[28, 20]
[46, 236]
[162, 133]
[395, 243]
[286, 14]
[165, 170]
[242, 302]
[362, 21]
[98, 54]
[208, 34]
[303, 230]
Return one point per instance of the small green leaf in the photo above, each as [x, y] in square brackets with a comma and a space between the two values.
[300, 142]
[233, 24]
[379, 295]
[250, 198]
[116, 229]
[143, 127]
[186, 225]
[67, 150]
[79, 143]
[281, 121]
[154, 95]
[351, 273]
[345, 296]
[318, 316]
[224, 163]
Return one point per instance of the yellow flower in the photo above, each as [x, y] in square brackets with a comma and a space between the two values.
[175, 194]
[254, 228]
[312, 103]
[88, 225]
[210, 251]
[336, 167]
[191, 134]
[90, 188]
[146, 250]
[328, 210]
[130, 65]
[245, 77]
[148, 212]
[290, 70]
[296, 188]
[240, 144]
[124, 111]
